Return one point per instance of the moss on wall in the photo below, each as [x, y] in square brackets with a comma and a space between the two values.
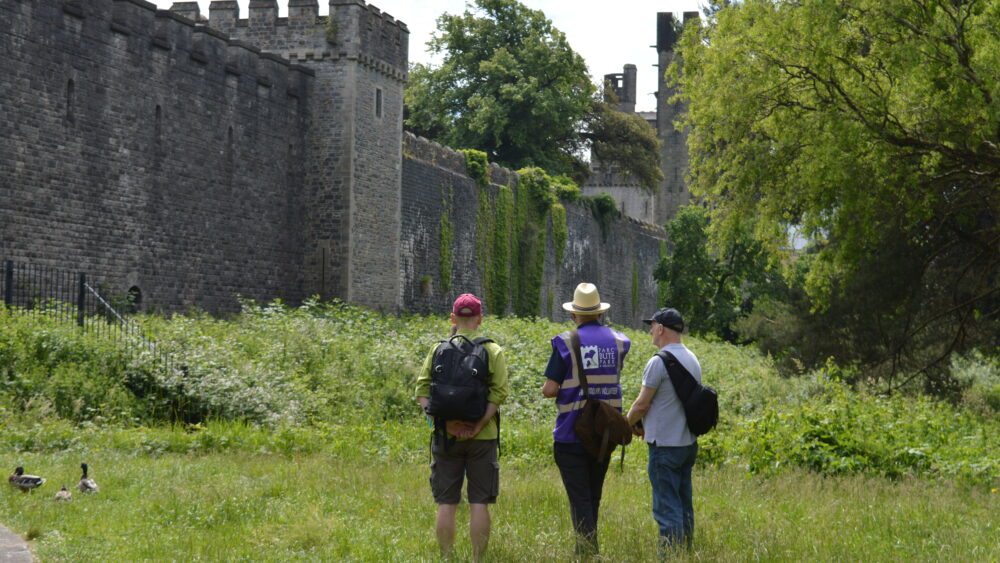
[560, 232]
[446, 240]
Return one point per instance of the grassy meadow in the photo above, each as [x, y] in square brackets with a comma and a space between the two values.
[291, 435]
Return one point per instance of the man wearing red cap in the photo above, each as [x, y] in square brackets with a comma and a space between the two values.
[474, 452]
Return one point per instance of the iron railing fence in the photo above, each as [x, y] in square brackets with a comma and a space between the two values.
[32, 289]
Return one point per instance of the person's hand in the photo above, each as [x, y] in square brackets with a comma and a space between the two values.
[460, 428]
[473, 430]
[638, 431]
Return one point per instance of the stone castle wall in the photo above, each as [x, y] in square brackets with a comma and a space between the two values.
[353, 180]
[621, 264]
[197, 159]
[153, 152]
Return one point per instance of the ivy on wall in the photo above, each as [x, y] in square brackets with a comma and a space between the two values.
[560, 232]
[535, 198]
[499, 284]
[477, 166]
[662, 287]
[492, 233]
[512, 231]
[635, 288]
[604, 209]
[446, 240]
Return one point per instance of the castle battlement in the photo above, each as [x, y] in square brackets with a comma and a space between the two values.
[359, 31]
[145, 30]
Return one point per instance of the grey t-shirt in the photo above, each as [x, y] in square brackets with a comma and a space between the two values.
[665, 422]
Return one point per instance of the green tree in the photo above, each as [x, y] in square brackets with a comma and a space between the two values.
[627, 140]
[510, 85]
[872, 127]
[711, 286]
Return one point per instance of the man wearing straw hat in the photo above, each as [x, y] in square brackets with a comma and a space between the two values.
[602, 352]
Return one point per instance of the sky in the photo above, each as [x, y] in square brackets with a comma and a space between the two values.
[608, 33]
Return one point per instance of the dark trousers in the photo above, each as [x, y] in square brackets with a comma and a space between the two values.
[583, 477]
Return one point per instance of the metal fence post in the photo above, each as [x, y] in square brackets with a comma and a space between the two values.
[8, 283]
[81, 299]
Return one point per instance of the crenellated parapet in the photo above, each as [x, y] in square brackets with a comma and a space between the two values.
[354, 31]
[177, 34]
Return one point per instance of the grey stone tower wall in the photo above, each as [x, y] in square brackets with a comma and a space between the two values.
[151, 152]
[673, 191]
[621, 265]
[354, 145]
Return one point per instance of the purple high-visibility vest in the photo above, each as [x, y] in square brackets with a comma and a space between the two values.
[602, 351]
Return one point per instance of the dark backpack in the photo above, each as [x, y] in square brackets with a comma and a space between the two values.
[600, 427]
[460, 379]
[701, 402]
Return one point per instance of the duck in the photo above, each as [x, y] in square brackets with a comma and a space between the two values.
[24, 482]
[63, 494]
[87, 485]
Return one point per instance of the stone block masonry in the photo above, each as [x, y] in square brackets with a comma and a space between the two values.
[197, 159]
[152, 152]
[621, 264]
[353, 176]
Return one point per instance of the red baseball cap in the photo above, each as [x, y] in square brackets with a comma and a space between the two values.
[467, 305]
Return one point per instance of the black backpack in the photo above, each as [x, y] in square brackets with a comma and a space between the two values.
[460, 379]
[701, 402]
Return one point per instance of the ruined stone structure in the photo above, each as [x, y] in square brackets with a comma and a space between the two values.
[194, 158]
[661, 206]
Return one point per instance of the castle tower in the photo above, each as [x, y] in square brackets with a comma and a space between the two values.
[623, 87]
[354, 144]
[673, 192]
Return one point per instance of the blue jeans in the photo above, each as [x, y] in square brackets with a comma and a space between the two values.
[670, 476]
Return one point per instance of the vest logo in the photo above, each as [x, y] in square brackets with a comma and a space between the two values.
[589, 355]
[595, 357]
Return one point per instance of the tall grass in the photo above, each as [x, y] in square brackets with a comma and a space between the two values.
[292, 435]
[243, 506]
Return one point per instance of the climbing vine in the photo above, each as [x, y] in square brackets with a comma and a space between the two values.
[604, 209]
[635, 288]
[447, 239]
[492, 233]
[662, 286]
[512, 232]
[535, 198]
[499, 269]
[477, 166]
[560, 232]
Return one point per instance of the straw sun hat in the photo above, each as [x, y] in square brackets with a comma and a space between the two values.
[586, 300]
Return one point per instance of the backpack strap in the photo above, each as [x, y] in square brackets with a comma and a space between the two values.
[483, 340]
[682, 380]
[574, 341]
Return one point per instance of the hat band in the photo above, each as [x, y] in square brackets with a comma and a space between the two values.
[579, 308]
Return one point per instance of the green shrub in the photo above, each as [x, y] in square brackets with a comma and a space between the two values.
[302, 379]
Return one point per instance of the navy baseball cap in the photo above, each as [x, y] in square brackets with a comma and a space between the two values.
[668, 317]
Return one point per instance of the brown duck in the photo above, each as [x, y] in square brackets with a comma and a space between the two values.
[24, 482]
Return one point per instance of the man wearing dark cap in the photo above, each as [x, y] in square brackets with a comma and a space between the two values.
[672, 446]
[474, 453]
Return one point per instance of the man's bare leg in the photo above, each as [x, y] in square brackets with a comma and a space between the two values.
[445, 528]
[479, 529]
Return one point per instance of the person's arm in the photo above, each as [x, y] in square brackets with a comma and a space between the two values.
[473, 429]
[641, 405]
[423, 388]
[555, 373]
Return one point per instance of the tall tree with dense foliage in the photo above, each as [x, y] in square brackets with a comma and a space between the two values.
[873, 126]
[510, 85]
[712, 286]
